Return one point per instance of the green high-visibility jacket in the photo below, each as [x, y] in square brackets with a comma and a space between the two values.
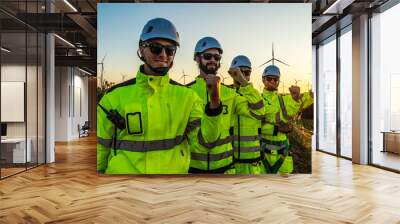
[245, 101]
[246, 141]
[274, 140]
[163, 119]
[273, 107]
[246, 145]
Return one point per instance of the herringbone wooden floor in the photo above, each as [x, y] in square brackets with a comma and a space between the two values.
[70, 191]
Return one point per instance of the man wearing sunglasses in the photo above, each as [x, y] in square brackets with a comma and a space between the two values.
[217, 157]
[280, 111]
[146, 125]
[246, 142]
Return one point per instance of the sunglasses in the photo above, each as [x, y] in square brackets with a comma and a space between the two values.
[208, 56]
[269, 79]
[156, 48]
[246, 72]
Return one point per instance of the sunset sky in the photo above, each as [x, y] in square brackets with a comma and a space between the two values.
[248, 29]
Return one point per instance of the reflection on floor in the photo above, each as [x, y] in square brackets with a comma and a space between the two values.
[387, 159]
[10, 169]
[70, 191]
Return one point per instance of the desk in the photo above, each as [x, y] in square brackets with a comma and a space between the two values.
[17, 147]
[391, 141]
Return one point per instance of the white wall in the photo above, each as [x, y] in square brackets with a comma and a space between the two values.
[71, 93]
[62, 81]
[12, 73]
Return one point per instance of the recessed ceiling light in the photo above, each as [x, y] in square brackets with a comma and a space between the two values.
[70, 5]
[5, 50]
[64, 40]
[86, 72]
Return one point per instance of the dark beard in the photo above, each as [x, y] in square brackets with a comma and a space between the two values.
[160, 70]
[208, 71]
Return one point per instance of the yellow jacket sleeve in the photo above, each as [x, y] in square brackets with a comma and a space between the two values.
[292, 106]
[105, 132]
[249, 102]
[307, 99]
[204, 123]
[268, 124]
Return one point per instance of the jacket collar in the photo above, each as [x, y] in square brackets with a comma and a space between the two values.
[200, 80]
[154, 81]
[267, 92]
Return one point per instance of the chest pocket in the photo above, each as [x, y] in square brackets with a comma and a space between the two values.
[134, 119]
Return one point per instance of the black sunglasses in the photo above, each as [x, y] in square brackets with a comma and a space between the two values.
[208, 56]
[157, 48]
[269, 79]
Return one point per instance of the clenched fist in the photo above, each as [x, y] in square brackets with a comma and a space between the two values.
[238, 76]
[295, 92]
[285, 127]
[213, 84]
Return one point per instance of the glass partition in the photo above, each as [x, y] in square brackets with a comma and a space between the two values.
[327, 96]
[22, 78]
[346, 93]
[385, 89]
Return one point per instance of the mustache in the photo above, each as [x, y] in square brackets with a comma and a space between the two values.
[211, 63]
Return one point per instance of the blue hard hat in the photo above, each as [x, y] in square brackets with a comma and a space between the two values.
[271, 70]
[240, 61]
[206, 43]
[159, 28]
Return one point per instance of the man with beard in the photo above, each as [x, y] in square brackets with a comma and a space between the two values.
[146, 125]
[217, 157]
[246, 142]
[280, 111]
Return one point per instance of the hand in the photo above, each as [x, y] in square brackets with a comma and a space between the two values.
[295, 92]
[285, 127]
[213, 84]
[238, 76]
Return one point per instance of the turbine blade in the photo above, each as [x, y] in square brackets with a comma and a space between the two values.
[266, 62]
[102, 61]
[282, 62]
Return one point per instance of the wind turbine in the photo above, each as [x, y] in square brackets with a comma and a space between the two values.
[102, 71]
[183, 76]
[273, 59]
